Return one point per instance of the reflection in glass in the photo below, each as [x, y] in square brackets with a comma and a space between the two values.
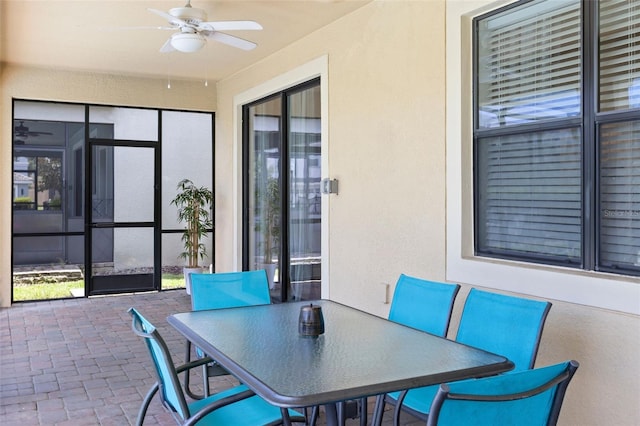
[619, 43]
[264, 198]
[529, 195]
[619, 195]
[37, 181]
[529, 64]
[304, 125]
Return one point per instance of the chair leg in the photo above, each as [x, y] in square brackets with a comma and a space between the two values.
[378, 411]
[363, 411]
[145, 404]
[398, 408]
[314, 415]
[205, 380]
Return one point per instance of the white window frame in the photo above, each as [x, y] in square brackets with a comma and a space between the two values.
[620, 293]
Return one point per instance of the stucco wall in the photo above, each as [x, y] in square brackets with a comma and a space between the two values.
[388, 137]
[386, 145]
[63, 86]
[390, 129]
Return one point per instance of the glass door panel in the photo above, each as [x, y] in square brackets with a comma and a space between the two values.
[187, 153]
[304, 216]
[282, 216]
[264, 190]
[131, 267]
[122, 219]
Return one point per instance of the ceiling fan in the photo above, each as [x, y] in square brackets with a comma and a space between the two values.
[195, 30]
[22, 131]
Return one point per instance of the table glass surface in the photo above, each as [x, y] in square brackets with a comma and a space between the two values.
[358, 355]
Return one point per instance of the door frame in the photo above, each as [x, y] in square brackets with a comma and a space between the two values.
[316, 68]
[98, 285]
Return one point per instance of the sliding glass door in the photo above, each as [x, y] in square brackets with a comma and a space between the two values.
[282, 214]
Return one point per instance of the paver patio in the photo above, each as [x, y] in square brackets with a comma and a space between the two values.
[77, 362]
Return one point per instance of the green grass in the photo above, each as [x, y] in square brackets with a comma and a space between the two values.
[170, 281]
[63, 290]
[45, 291]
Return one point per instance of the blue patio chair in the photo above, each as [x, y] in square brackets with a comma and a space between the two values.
[218, 291]
[236, 406]
[507, 325]
[425, 305]
[229, 290]
[531, 397]
[420, 304]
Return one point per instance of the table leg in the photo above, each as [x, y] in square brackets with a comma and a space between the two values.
[334, 414]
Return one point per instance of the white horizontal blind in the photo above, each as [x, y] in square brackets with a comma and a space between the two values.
[529, 199]
[619, 143]
[619, 54]
[530, 195]
[529, 64]
[620, 195]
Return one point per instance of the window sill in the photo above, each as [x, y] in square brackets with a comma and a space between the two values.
[598, 289]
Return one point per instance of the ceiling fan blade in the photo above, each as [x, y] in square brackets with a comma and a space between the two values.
[115, 29]
[170, 18]
[232, 40]
[167, 47]
[230, 25]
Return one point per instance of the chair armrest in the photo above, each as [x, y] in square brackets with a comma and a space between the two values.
[193, 364]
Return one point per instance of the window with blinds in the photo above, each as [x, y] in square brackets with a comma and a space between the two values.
[557, 149]
[620, 196]
[619, 51]
[530, 202]
[529, 64]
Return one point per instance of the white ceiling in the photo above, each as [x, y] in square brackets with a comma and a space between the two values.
[89, 35]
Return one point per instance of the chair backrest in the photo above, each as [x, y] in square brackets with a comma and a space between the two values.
[170, 390]
[229, 290]
[507, 325]
[532, 397]
[424, 305]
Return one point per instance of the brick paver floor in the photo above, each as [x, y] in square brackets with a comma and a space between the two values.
[76, 361]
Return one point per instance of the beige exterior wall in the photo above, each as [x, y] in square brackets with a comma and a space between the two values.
[396, 116]
[41, 84]
[385, 145]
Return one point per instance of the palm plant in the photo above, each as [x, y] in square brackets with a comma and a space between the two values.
[271, 227]
[193, 205]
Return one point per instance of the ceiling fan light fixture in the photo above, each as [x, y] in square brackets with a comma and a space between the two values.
[188, 42]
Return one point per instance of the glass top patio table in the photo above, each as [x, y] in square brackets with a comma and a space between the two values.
[358, 355]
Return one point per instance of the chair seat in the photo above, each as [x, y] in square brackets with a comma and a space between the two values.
[418, 400]
[247, 412]
[532, 397]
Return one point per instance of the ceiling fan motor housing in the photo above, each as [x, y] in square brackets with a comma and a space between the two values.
[190, 15]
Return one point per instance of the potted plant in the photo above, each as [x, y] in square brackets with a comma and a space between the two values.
[193, 205]
[270, 227]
